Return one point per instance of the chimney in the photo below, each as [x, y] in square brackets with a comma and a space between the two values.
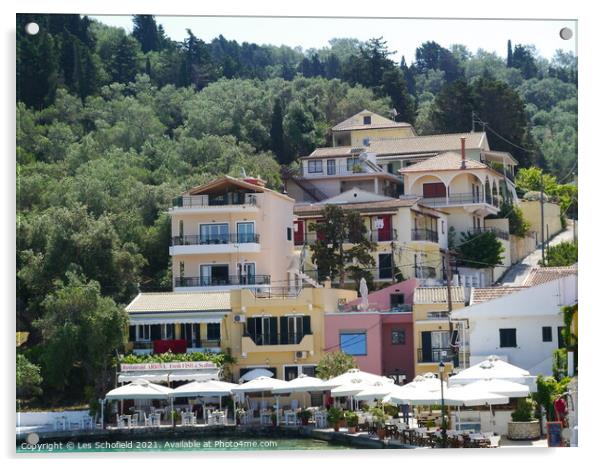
[463, 151]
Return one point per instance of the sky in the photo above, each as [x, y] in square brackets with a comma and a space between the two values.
[402, 35]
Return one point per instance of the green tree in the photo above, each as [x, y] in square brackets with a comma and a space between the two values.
[517, 223]
[563, 254]
[530, 179]
[334, 364]
[299, 130]
[523, 59]
[277, 133]
[480, 250]
[80, 329]
[124, 61]
[451, 110]
[28, 378]
[336, 229]
[146, 32]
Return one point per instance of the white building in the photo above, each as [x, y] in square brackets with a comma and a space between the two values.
[523, 324]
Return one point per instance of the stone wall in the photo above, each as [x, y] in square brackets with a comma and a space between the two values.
[524, 430]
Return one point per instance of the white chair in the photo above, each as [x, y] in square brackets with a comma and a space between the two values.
[294, 404]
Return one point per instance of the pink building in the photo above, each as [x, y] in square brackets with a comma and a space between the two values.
[380, 338]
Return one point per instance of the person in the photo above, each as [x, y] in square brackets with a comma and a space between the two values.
[560, 410]
[405, 410]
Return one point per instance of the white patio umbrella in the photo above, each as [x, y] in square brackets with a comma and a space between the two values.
[376, 391]
[257, 372]
[494, 368]
[355, 374]
[364, 294]
[302, 383]
[139, 389]
[414, 395]
[260, 384]
[210, 388]
[498, 386]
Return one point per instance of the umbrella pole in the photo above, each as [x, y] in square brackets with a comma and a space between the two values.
[102, 413]
[278, 410]
[173, 421]
[220, 402]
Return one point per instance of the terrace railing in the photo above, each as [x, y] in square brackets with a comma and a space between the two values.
[380, 235]
[277, 292]
[218, 239]
[435, 355]
[425, 235]
[277, 339]
[227, 199]
[222, 281]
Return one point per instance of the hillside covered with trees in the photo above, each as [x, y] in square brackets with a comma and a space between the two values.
[111, 126]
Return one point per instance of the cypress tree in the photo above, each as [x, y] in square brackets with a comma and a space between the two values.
[277, 133]
[509, 55]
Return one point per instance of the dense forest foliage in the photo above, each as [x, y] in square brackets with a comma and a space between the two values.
[111, 126]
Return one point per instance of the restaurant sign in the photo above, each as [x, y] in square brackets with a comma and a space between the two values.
[168, 366]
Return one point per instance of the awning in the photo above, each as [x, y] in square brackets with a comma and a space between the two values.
[182, 318]
[162, 376]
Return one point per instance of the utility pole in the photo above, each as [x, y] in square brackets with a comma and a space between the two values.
[449, 295]
[472, 117]
[543, 254]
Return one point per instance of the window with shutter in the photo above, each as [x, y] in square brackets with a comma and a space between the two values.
[508, 337]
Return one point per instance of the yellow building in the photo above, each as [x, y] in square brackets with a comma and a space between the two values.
[408, 235]
[230, 233]
[433, 330]
[281, 330]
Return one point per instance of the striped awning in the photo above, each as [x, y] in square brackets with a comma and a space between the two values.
[170, 317]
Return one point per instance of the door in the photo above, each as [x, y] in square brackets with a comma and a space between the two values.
[246, 273]
[295, 329]
[440, 345]
[290, 372]
[245, 232]
[214, 274]
[213, 233]
[331, 167]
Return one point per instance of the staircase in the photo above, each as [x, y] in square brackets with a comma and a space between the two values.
[300, 272]
[309, 280]
[303, 183]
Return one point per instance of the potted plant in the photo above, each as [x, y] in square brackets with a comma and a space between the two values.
[523, 425]
[379, 420]
[352, 420]
[304, 416]
[334, 417]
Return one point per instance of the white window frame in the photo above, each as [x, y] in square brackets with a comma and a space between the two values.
[141, 338]
[246, 222]
[314, 165]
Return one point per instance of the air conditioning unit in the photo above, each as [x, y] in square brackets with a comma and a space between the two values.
[240, 319]
[300, 354]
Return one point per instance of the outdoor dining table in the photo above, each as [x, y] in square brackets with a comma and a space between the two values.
[188, 418]
[265, 418]
[216, 418]
[127, 419]
[290, 418]
[60, 422]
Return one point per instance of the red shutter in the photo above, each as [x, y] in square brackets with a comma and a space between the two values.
[433, 190]
[384, 234]
[299, 234]
[320, 235]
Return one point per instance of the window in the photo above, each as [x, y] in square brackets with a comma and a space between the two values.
[290, 372]
[289, 234]
[385, 263]
[398, 337]
[353, 343]
[167, 331]
[213, 331]
[213, 233]
[366, 142]
[331, 167]
[143, 332]
[507, 337]
[245, 232]
[367, 120]
[314, 167]
[397, 299]
[546, 333]
[351, 163]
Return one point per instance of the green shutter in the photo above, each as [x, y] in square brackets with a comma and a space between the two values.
[284, 329]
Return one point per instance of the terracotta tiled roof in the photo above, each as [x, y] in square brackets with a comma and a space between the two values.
[428, 295]
[428, 143]
[337, 151]
[356, 122]
[172, 301]
[444, 161]
[485, 294]
[539, 276]
[305, 209]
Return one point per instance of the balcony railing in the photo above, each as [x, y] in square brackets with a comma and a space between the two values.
[380, 235]
[498, 232]
[228, 199]
[425, 235]
[219, 239]
[335, 171]
[436, 315]
[277, 339]
[222, 281]
[457, 198]
[191, 343]
[277, 292]
[436, 355]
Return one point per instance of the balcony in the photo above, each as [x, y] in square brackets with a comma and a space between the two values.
[220, 243]
[291, 342]
[277, 293]
[498, 232]
[437, 315]
[179, 345]
[228, 202]
[436, 355]
[380, 235]
[425, 235]
[222, 281]
[459, 199]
